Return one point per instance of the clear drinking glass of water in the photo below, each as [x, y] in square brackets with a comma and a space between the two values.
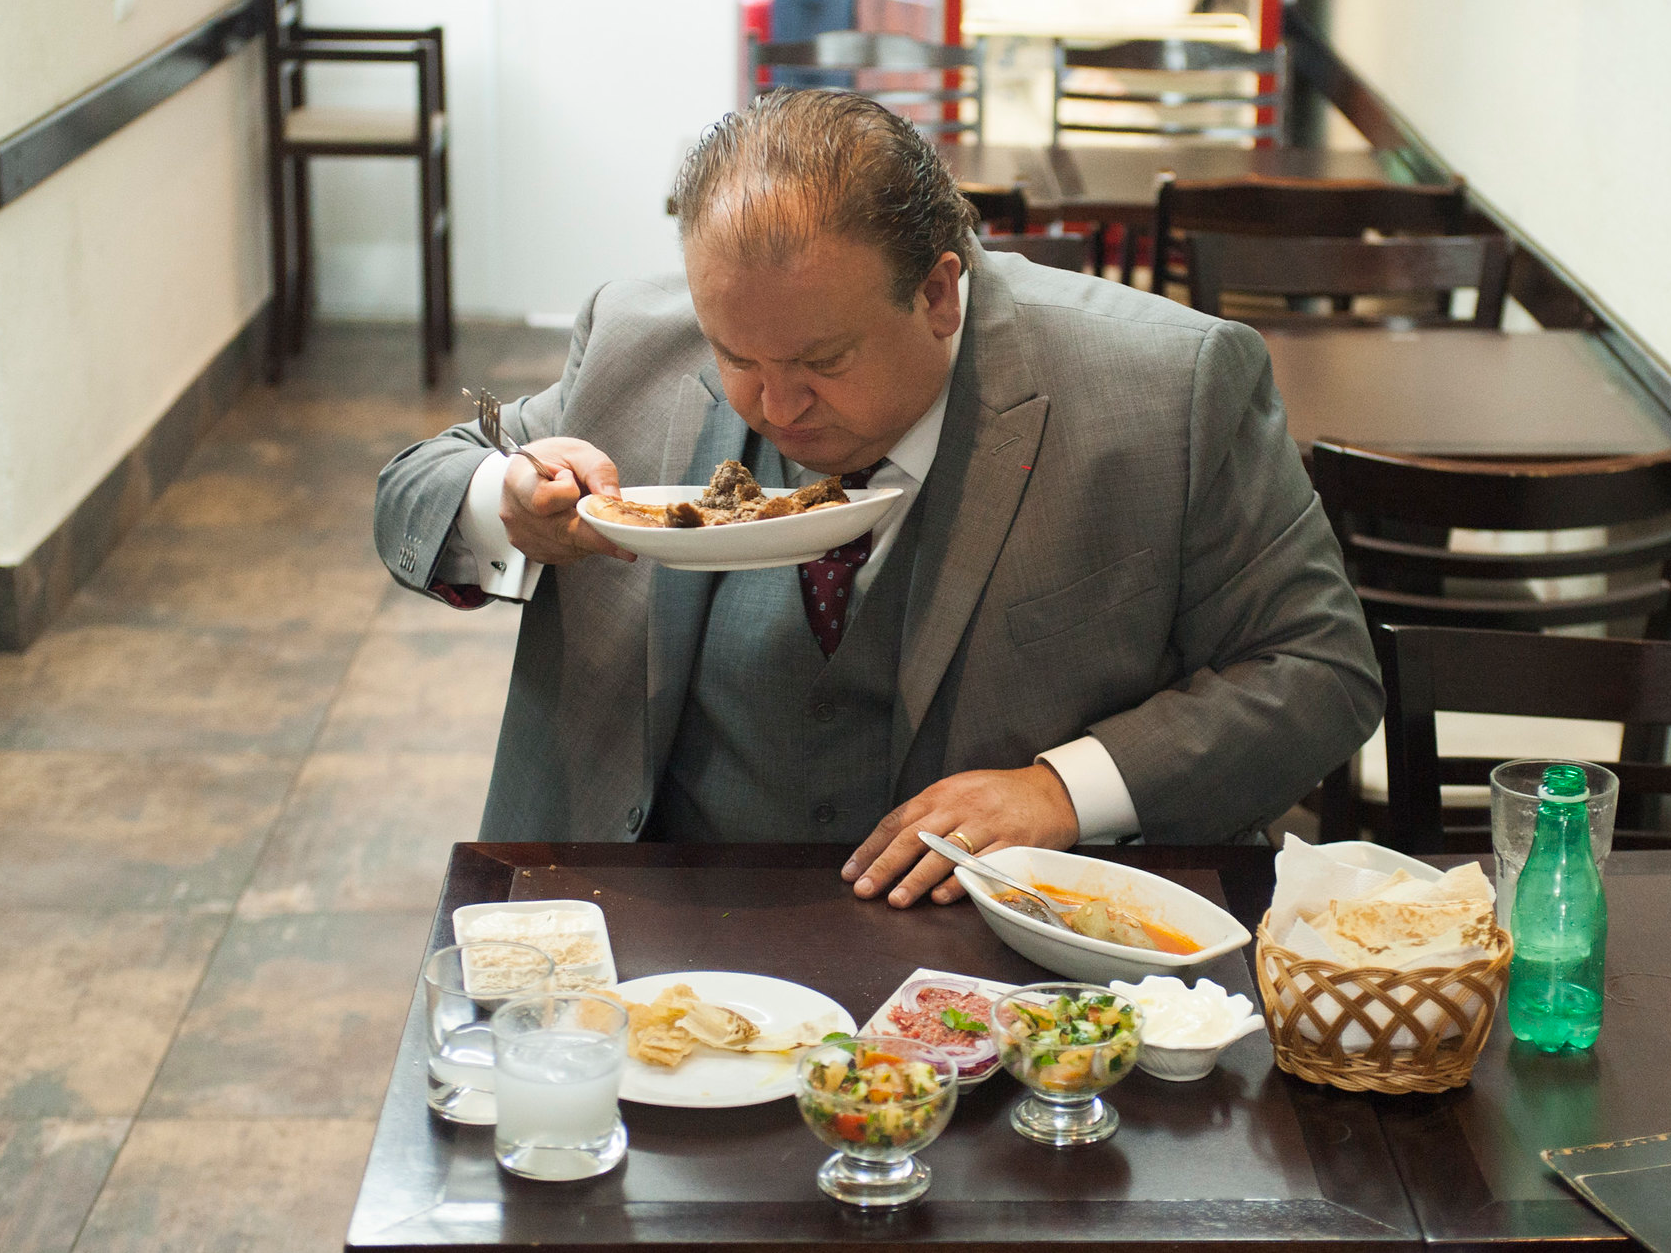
[463, 985]
[558, 1058]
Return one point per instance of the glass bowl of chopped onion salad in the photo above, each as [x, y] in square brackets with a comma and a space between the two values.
[876, 1100]
[1066, 1042]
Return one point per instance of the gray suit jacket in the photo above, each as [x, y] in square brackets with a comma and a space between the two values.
[1117, 538]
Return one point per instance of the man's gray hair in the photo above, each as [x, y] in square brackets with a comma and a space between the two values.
[762, 185]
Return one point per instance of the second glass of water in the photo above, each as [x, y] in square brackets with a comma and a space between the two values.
[558, 1058]
[463, 985]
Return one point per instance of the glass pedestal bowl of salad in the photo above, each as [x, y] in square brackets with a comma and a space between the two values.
[1066, 1042]
[876, 1100]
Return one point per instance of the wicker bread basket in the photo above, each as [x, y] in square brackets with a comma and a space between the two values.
[1331, 998]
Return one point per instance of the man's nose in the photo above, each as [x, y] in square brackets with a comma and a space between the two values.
[783, 398]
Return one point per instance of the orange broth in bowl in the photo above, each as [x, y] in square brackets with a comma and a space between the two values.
[1166, 940]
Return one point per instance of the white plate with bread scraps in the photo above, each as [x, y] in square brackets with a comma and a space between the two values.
[713, 1078]
[784, 541]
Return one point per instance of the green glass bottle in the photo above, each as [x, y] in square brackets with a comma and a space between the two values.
[1559, 923]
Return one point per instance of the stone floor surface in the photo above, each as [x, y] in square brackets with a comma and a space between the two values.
[230, 775]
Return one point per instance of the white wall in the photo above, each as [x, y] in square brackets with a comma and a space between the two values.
[121, 277]
[53, 50]
[1556, 111]
[569, 118]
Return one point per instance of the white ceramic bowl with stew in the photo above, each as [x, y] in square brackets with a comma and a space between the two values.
[1151, 897]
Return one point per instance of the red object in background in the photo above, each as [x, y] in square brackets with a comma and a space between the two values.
[1270, 33]
[954, 35]
[757, 21]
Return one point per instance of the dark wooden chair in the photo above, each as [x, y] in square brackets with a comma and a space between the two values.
[298, 132]
[1395, 517]
[1300, 207]
[1430, 669]
[1003, 228]
[1428, 267]
[1001, 209]
[907, 75]
[1199, 89]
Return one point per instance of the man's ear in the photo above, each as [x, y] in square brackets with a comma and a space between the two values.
[939, 290]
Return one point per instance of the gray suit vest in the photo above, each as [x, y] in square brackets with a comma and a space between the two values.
[775, 743]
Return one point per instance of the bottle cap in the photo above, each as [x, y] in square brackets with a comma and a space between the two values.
[1564, 782]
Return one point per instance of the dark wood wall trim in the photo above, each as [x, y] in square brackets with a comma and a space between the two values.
[30, 156]
[37, 588]
[1536, 281]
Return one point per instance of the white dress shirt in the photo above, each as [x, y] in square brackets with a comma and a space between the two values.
[479, 552]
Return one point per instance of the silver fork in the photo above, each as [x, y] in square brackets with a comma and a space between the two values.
[487, 417]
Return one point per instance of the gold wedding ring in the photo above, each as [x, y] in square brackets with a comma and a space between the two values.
[963, 840]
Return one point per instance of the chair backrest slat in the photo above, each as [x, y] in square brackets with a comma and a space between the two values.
[1176, 103]
[1327, 266]
[1429, 669]
[849, 53]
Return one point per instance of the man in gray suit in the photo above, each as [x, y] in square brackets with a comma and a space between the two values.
[1108, 603]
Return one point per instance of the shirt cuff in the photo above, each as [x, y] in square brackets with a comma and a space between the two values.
[1095, 786]
[500, 569]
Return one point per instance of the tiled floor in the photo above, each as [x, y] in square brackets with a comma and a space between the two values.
[229, 778]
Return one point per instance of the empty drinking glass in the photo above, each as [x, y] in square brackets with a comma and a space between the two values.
[463, 985]
[1514, 812]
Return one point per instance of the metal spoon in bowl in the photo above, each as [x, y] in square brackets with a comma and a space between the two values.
[1032, 905]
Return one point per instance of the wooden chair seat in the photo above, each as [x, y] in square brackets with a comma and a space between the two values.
[340, 127]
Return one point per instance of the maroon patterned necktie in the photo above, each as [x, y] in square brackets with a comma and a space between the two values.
[827, 584]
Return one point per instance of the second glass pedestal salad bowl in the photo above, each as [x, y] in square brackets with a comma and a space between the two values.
[1066, 1042]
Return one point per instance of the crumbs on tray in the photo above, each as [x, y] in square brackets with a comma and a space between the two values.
[569, 942]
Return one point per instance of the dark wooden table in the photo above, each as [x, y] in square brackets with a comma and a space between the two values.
[1107, 184]
[1463, 392]
[1245, 1159]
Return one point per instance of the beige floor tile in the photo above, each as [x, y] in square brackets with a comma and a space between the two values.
[283, 1186]
[422, 691]
[261, 467]
[129, 688]
[256, 578]
[102, 831]
[50, 1172]
[108, 991]
[297, 1016]
[369, 831]
[405, 610]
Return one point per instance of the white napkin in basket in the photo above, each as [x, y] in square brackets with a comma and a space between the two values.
[1309, 882]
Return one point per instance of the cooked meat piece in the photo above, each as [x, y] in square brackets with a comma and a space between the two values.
[730, 486]
[684, 515]
[774, 507]
[823, 492]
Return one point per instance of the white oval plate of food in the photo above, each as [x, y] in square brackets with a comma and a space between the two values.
[755, 545]
[1167, 906]
[712, 1078]
[943, 1009]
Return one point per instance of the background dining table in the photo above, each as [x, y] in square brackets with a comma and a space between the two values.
[1119, 184]
[1461, 392]
[1247, 1158]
